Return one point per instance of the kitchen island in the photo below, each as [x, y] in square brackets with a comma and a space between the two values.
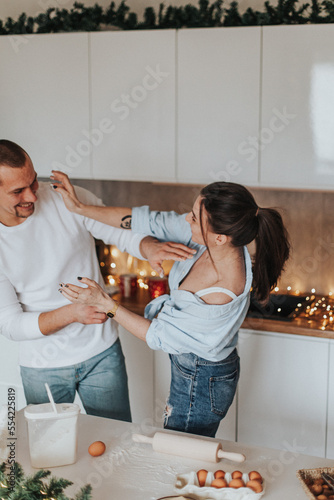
[133, 471]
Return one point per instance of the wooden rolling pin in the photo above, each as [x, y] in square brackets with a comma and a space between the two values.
[190, 447]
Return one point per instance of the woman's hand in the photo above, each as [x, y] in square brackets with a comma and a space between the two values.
[65, 188]
[92, 295]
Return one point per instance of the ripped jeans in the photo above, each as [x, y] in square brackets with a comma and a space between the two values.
[201, 392]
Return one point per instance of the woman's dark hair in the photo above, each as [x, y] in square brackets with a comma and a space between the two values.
[232, 210]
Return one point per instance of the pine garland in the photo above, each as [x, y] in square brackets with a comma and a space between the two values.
[205, 15]
[34, 487]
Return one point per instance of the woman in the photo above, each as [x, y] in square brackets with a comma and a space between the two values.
[198, 323]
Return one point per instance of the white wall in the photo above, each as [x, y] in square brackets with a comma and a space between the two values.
[13, 8]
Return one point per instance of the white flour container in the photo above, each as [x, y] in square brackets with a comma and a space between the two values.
[53, 437]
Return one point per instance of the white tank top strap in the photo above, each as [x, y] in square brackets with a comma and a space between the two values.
[215, 289]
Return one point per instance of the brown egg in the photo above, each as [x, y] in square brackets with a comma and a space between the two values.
[97, 448]
[219, 474]
[219, 483]
[319, 480]
[236, 474]
[254, 474]
[254, 485]
[236, 483]
[322, 497]
[201, 476]
[316, 489]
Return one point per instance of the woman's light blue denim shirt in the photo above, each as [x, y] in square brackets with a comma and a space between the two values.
[185, 323]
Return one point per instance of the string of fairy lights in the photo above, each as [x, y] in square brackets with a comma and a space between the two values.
[315, 310]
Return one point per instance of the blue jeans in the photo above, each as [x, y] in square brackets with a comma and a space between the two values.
[201, 392]
[101, 382]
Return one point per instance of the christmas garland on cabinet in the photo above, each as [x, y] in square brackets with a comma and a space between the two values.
[205, 15]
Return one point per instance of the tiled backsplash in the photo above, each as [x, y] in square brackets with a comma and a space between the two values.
[309, 217]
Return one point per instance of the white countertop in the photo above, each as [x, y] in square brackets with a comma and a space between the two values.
[133, 471]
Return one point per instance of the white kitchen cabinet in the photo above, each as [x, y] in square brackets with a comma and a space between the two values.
[282, 398]
[218, 81]
[44, 100]
[330, 419]
[133, 105]
[162, 376]
[297, 125]
[10, 373]
[139, 367]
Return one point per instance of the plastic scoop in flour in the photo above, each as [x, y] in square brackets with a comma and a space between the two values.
[51, 397]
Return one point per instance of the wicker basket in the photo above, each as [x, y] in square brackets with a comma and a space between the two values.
[304, 475]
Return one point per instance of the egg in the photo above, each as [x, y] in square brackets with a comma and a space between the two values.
[236, 483]
[254, 485]
[219, 474]
[97, 448]
[254, 474]
[316, 489]
[201, 476]
[236, 474]
[219, 483]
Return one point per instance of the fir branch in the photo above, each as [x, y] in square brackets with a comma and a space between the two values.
[206, 14]
[38, 486]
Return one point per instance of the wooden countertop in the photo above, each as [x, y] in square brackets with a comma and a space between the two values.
[298, 326]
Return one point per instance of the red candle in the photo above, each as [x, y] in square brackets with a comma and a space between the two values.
[157, 286]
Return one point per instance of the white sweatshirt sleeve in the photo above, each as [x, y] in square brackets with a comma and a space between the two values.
[14, 323]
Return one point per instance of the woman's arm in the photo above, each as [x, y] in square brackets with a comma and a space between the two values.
[95, 296]
[113, 216]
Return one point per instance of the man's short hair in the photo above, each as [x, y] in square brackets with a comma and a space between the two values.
[11, 154]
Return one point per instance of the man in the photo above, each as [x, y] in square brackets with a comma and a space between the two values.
[71, 347]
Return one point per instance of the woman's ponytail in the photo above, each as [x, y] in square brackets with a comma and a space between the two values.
[272, 251]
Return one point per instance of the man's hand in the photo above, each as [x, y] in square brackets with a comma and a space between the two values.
[52, 321]
[156, 252]
[89, 315]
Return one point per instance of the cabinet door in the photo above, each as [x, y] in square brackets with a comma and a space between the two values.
[133, 105]
[297, 129]
[282, 399]
[330, 428]
[218, 104]
[10, 373]
[139, 367]
[44, 100]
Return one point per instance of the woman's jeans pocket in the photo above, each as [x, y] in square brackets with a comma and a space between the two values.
[222, 391]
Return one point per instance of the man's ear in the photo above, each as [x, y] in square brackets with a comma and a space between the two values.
[221, 239]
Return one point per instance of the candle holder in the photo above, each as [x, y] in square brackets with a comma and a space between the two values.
[128, 285]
